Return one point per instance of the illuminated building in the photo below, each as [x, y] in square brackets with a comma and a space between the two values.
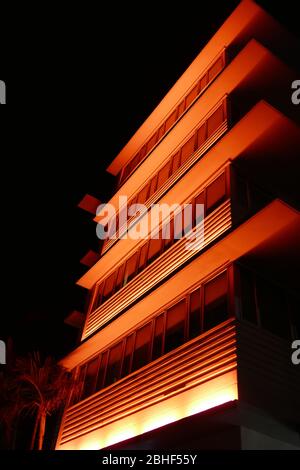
[193, 349]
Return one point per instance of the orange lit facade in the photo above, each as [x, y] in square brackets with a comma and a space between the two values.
[193, 349]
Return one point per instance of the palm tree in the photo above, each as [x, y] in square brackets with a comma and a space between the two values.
[43, 388]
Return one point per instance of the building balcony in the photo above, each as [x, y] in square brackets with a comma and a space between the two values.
[197, 376]
[232, 361]
[213, 226]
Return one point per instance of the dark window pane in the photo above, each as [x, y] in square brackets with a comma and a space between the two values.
[199, 209]
[215, 68]
[161, 131]
[215, 120]
[90, 377]
[215, 302]
[163, 175]
[120, 277]
[102, 369]
[215, 193]
[175, 326]
[187, 149]
[273, 309]
[142, 257]
[109, 286]
[114, 364]
[98, 295]
[158, 337]
[204, 81]
[248, 296]
[201, 136]
[125, 172]
[154, 248]
[191, 96]
[142, 153]
[153, 185]
[181, 108]
[127, 356]
[175, 162]
[170, 121]
[187, 218]
[143, 194]
[178, 226]
[151, 142]
[142, 346]
[195, 314]
[79, 394]
[130, 268]
[168, 234]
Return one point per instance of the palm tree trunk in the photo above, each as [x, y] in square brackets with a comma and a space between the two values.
[36, 424]
[42, 430]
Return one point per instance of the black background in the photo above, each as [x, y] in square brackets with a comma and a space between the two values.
[80, 81]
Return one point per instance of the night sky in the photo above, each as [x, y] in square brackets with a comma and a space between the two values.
[77, 95]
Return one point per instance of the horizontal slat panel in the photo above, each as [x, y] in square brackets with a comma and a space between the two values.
[214, 225]
[196, 362]
[175, 177]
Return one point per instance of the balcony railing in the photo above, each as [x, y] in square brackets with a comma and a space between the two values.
[175, 176]
[212, 227]
[207, 357]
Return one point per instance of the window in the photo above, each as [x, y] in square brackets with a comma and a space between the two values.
[79, 393]
[126, 367]
[215, 302]
[163, 175]
[215, 193]
[102, 370]
[178, 225]
[154, 248]
[157, 348]
[181, 108]
[248, 296]
[170, 121]
[143, 257]
[90, 377]
[152, 142]
[191, 96]
[201, 136]
[203, 82]
[187, 149]
[142, 197]
[161, 131]
[120, 277]
[142, 347]
[195, 314]
[272, 308]
[215, 69]
[130, 268]
[199, 209]
[215, 120]
[167, 234]
[114, 364]
[175, 162]
[109, 286]
[98, 295]
[175, 326]
[153, 185]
